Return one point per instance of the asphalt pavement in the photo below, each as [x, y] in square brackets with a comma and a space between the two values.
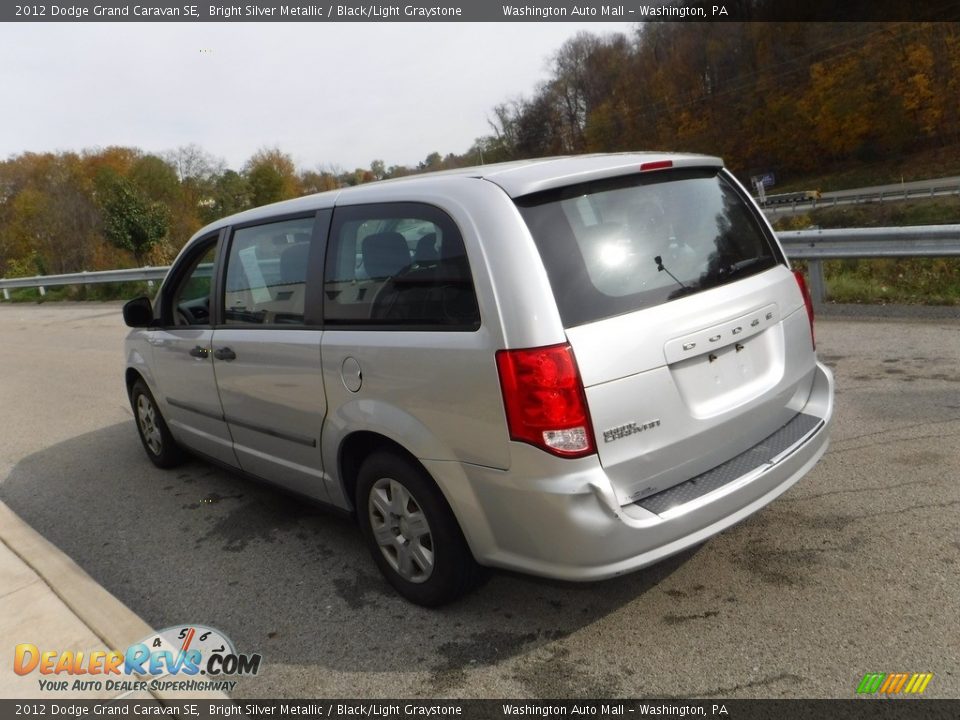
[854, 570]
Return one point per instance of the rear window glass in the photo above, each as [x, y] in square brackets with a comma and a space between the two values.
[624, 244]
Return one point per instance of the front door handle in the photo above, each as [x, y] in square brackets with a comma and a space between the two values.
[199, 352]
[224, 353]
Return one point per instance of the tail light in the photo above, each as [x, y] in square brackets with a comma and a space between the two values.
[545, 401]
[808, 301]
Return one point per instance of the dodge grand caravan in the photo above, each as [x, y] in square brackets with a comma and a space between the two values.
[572, 367]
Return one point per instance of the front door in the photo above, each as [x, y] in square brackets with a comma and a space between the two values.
[266, 355]
[182, 360]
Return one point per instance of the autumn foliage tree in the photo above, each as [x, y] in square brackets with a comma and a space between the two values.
[272, 176]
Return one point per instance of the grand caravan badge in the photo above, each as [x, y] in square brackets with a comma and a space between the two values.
[631, 428]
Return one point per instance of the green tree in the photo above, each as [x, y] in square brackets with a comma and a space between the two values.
[432, 162]
[130, 220]
[272, 176]
[156, 179]
[230, 194]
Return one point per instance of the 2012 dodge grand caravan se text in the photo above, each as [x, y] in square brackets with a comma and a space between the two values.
[571, 367]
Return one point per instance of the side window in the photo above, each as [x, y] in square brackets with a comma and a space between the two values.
[267, 274]
[190, 301]
[398, 264]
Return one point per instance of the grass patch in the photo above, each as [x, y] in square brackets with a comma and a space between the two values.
[914, 281]
[917, 281]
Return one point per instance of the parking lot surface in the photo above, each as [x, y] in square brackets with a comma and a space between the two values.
[856, 569]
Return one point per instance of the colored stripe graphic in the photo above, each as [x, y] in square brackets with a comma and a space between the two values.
[894, 683]
[918, 683]
[871, 683]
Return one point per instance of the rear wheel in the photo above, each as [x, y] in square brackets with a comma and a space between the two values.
[412, 533]
[161, 448]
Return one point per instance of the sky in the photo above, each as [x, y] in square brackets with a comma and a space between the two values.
[333, 96]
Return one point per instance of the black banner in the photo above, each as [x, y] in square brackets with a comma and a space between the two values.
[326, 11]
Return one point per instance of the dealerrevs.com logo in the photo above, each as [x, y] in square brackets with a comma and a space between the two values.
[179, 658]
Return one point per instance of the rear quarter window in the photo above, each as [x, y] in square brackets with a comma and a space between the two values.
[399, 266]
[628, 243]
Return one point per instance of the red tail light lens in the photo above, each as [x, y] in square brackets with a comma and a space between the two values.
[808, 301]
[545, 401]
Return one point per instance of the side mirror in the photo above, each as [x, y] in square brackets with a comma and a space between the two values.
[138, 313]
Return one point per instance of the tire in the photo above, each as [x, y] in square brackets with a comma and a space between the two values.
[161, 448]
[411, 532]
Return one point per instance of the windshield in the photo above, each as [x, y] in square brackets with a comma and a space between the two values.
[628, 243]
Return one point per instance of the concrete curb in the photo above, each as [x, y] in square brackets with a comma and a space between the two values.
[116, 625]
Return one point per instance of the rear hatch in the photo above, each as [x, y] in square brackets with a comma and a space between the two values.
[689, 330]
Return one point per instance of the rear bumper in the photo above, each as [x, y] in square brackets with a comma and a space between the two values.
[566, 523]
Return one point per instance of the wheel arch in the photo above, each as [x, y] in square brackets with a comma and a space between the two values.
[359, 445]
[131, 376]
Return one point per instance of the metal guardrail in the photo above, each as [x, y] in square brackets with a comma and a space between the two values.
[840, 243]
[860, 198]
[83, 278]
[814, 246]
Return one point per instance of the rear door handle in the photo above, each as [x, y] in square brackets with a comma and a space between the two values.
[199, 352]
[224, 353]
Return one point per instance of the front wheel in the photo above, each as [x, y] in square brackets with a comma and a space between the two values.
[161, 448]
[411, 531]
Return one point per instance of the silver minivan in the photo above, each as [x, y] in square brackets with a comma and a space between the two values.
[571, 367]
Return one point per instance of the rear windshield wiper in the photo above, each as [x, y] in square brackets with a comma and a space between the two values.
[662, 268]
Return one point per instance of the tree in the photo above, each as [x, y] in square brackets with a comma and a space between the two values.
[193, 162]
[362, 176]
[48, 219]
[230, 194]
[313, 181]
[272, 176]
[130, 220]
[116, 158]
[197, 172]
[839, 104]
[432, 162]
[396, 171]
[570, 89]
[503, 143]
[919, 96]
[156, 179]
